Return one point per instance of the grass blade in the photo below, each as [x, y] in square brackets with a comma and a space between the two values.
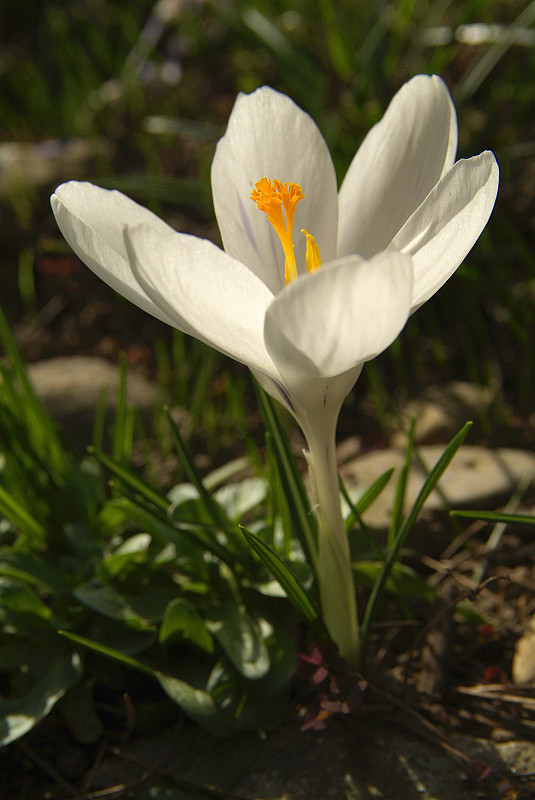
[294, 591]
[296, 496]
[429, 484]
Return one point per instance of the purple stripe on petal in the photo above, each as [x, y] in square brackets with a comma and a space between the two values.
[247, 225]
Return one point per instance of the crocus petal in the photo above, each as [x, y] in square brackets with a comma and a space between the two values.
[397, 165]
[269, 135]
[333, 320]
[444, 229]
[92, 220]
[203, 291]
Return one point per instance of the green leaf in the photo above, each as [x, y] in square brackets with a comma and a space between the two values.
[20, 517]
[401, 488]
[31, 569]
[21, 599]
[496, 516]
[109, 652]
[429, 484]
[371, 494]
[294, 591]
[402, 579]
[198, 704]
[107, 601]
[182, 620]
[213, 508]
[239, 498]
[78, 710]
[131, 479]
[19, 716]
[243, 707]
[241, 638]
[131, 551]
[294, 495]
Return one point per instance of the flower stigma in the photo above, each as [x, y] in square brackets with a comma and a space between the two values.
[273, 197]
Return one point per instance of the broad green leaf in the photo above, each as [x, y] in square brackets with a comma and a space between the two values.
[241, 638]
[19, 716]
[402, 579]
[21, 599]
[78, 710]
[106, 600]
[131, 551]
[198, 704]
[294, 591]
[182, 620]
[243, 707]
[239, 498]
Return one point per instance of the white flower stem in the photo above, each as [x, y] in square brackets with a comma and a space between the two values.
[335, 578]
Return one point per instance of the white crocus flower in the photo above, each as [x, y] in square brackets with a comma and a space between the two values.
[304, 312]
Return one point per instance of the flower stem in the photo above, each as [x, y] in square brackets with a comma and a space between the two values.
[335, 578]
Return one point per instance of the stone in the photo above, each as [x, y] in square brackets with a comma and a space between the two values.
[523, 670]
[441, 411]
[71, 386]
[477, 477]
[373, 760]
[47, 163]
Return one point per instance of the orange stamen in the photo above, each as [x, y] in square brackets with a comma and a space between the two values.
[271, 197]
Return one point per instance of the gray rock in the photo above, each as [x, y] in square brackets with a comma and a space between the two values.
[478, 477]
[70, 388]
[375, 761]
[523, 670]
[441, 411]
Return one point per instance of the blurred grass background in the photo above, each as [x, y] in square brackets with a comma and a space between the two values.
[136, 95]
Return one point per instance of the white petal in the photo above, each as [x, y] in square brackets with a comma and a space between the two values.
[203, 291]
[269, 135]
[92, 220]
[444, 229]
[397, 165]
[331, 321]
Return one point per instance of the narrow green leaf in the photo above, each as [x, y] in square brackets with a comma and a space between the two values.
[429, 484]
[372, 492]
[294, 591]
[20, 517]
[131, 479]
[401, 490]
[109, 652]
[295, 493]
[171, 530]
[496, 516]
[216, 512]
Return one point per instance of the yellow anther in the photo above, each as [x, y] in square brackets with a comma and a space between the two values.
[313, 257]
[271, 197]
